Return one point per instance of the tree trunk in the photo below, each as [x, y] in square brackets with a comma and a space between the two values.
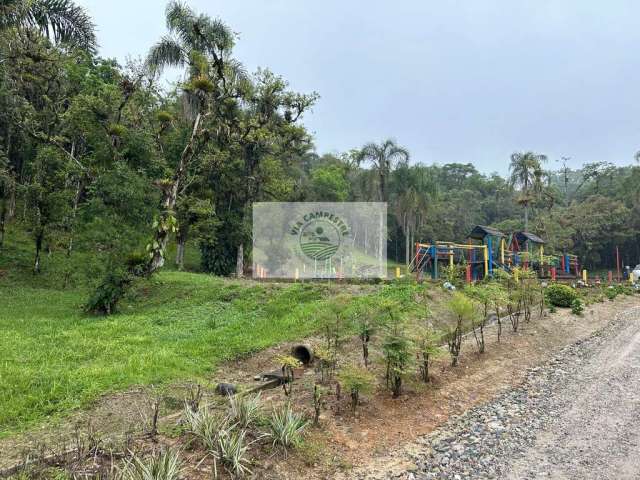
[526, 217]
[182, 240]
[168, 203]
[240, 261]
[382, 238]
[3, 219]
[39, 238]
[3, 216]
[383, 187]
[407, 246]
[11, 209]
[74, 213]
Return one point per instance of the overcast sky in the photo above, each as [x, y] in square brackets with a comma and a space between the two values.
[453, 81]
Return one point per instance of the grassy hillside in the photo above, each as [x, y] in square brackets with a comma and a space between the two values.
[176, 326]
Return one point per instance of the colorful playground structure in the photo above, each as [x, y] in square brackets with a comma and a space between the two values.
[489, 249]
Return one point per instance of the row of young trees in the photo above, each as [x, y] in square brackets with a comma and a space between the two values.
[97, 157]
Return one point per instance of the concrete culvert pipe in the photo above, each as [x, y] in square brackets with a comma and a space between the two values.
[302, 352]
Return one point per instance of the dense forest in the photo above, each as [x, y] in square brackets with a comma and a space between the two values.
[102, 158]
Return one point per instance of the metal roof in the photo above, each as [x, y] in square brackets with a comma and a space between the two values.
[521, 237]
[480, 231]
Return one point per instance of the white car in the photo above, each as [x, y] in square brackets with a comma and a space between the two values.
[636, 273]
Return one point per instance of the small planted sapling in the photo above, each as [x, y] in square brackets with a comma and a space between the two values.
[367, 325]
[335, 322]
[319, 393]
[356, 381]
[464, 311]
[480, 293]
[427, 342]
[325, 363]
[397, 348]
[288, 365]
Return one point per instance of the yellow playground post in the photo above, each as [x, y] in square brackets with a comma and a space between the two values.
[486, 260]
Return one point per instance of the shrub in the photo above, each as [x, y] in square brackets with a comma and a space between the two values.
[428, 346]
[611, 293]
[325, 360]
[288, 364]
[244, 410]
[106, 297]
[319, 393]
[204, 425]
[576, 307]
[356, 380]
[286, 427]
[164, 465]
[367, 325]
[397, 349]
[231, 451]
[561, 295]
[464, 311]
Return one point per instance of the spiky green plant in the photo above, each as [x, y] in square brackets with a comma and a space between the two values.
[286, 427]
[204, 425]
[245, 410]
[162, 465]
[231, 451]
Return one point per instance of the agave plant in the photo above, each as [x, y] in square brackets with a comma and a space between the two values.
[163, 465]
[286, 427]
[244, 410]
[205, 425]
[231, 451]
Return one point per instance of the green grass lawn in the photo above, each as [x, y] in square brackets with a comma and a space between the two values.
[178, 326]
[55, 359]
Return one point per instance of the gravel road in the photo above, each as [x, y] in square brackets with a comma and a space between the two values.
[576, 417]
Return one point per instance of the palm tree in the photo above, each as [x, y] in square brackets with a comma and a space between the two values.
[384, 157]
[527, 173]
[61, 20]
[194, 40]
[201, 44]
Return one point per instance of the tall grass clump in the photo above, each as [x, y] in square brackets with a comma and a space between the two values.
[204, 425]
[286, 427]
[163, 465]
[245, 410]
[231, 451]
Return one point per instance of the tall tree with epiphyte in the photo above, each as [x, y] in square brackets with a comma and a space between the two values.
[526, 173]
[202, 45]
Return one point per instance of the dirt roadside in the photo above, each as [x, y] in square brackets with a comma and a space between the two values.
[476, 381]
[383, 426]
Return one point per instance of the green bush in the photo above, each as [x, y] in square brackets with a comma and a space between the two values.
[576, 307]
[106, 297]
[286, 428]
[561, 295]
[623, 290]
[611, 293]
